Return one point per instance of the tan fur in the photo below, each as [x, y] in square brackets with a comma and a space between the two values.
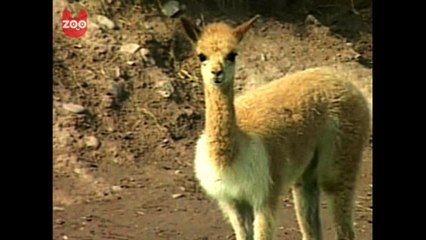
[217, 39]
[305, 131]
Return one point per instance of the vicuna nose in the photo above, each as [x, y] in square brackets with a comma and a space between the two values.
[217, 72]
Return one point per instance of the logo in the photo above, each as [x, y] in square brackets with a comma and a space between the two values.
[74, 27]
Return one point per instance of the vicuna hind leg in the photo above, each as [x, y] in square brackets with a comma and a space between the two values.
[240, 215]
[306, 196]
[338, 181]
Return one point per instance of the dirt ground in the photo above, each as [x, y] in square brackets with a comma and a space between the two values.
[122, 157]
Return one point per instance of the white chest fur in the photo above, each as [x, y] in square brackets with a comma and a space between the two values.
[248, 178]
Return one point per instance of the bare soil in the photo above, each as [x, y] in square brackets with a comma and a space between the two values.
[123, 165]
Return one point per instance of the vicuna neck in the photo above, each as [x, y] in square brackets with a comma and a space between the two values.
[221, 128]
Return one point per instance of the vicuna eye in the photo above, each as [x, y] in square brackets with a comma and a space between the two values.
[231, 56]
[202, 57]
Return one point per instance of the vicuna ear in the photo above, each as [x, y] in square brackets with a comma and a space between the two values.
[241, 30]
[191, 30]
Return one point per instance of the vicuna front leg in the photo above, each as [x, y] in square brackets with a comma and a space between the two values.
[240, 215]
[264, 222]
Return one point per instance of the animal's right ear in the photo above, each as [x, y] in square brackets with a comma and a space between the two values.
[191, 30]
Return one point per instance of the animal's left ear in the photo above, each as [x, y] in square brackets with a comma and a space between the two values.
[241, 30]
[191, 30]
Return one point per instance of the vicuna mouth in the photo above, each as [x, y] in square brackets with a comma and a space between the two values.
[218, 79]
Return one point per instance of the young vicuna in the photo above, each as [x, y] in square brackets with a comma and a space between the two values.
[305, 131]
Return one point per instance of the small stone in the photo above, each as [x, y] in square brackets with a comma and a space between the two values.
[171, 8]
[310, 19]
[182, 189]
[60, 221]
[65, 237]
[165, 88]
[144, 53]
[130, 48]
[74, 108]
[349, 44]
[92, 142]
[177, 195]
[78, 171]
[116, 188]
[117, 73]
[147, 26]
[178, 171]
[58, 209]
[104, 21]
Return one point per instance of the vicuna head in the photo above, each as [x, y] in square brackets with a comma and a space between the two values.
[216, 48]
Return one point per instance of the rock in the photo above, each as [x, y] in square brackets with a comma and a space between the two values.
[130, 48]
[165, 88]
[92, 142]
[148, 26]
[74, 108]
[117, 73]
[116, 188]
[60, 221]
[144, 53]
[104, 21]
[58, 209]
[171, 8]
[78, 171]
[310, 19]
[177, 195]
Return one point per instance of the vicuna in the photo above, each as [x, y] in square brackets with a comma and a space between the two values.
[304, 132]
